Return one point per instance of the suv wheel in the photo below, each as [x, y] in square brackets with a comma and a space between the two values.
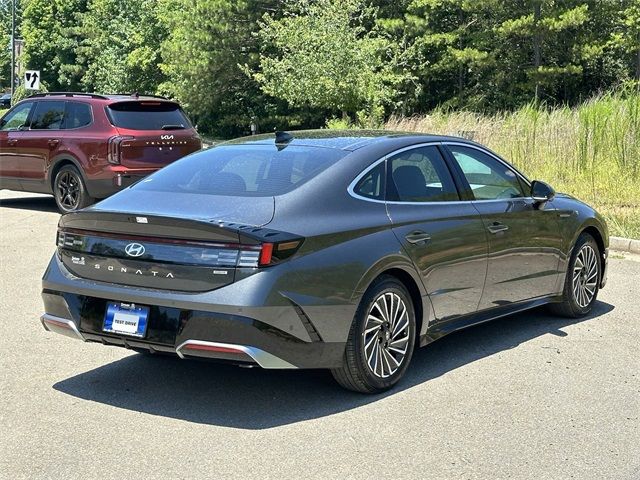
[381, 339]
[69, 190]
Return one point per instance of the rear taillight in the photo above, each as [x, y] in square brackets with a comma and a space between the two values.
[195, 252]
[272, 253]
[114, 151]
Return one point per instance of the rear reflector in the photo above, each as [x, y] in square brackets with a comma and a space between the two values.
[211, 348]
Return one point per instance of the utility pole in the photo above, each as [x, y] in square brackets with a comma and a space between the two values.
[13, 47]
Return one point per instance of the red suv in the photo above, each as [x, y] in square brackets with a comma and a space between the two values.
[81, 147]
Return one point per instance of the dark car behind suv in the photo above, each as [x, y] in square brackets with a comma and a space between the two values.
[81, 147]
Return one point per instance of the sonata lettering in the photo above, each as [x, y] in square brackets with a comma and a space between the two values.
[154, 273]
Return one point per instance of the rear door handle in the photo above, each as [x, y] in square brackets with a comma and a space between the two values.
[497, 227]
[53, 142]
[12, 141]
[418, 237]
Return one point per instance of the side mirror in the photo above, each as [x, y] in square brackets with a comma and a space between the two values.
[541, 192]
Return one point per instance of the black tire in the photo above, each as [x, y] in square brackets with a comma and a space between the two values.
[582, 277]
[356, 373]
[70, 191]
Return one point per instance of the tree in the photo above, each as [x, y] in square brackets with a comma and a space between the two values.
[120, 46]
[320, 55]
[5, 40]
[50, 36]
[208, 41]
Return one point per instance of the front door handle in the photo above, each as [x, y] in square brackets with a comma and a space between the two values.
[497, 227]
[418, 237]
[53, 142]
[12, 141]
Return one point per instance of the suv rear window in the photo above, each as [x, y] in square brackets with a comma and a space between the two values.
[148, 116]
[243, 170]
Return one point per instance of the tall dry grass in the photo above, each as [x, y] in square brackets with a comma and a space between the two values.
[591, 152]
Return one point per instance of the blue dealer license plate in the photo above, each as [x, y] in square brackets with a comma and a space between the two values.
[126, 319]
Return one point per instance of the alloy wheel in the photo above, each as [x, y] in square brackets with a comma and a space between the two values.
[585, 276]
[386, 335]
[68, 190]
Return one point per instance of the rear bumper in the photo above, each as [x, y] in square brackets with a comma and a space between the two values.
[115, 178]
[188, 348]
[207, 324]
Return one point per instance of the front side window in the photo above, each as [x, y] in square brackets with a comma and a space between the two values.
[243, 170]
[420, 175]
[48, 116]
[17, 117]
[488, 178]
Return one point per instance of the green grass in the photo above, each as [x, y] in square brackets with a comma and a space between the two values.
[591, 152]
[2, 111]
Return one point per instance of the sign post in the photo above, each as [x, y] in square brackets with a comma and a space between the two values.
[32, 79]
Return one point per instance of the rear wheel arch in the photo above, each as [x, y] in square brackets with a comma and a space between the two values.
[60, 162]
[414, 292]
[411, 284]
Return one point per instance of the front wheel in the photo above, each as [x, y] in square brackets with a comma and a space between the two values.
[583, 279]
[69, 190]
[381, 339]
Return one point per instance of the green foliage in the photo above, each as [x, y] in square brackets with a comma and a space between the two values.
[208, 39]
[21, 92]
[51, 40]
[120, 44]
[293, 64]
[5, 40]
[321, 55]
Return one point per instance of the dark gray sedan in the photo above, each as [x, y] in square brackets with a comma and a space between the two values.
[321, 249]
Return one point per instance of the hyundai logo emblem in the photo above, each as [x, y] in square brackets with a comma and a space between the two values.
[134, 250]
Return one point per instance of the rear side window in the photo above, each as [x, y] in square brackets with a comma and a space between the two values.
[148, 116]
[77, 115]
[421, 175]
[243, 170]
[372, 184]
[48, 116]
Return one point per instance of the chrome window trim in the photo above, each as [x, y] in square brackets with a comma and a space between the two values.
[352, 185]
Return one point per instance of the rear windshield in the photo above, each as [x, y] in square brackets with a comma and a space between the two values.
[242, 170]
[148, 116]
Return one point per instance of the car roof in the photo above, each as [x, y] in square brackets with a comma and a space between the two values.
[349, 140]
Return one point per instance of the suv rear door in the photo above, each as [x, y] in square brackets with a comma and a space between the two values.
[152, 133]
[40, 142]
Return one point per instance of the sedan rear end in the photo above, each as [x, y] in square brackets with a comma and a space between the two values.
[185, 262]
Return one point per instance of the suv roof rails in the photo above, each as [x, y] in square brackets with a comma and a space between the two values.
[69, 94]
[137, 95]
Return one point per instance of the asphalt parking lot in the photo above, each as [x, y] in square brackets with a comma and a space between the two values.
[529, 396]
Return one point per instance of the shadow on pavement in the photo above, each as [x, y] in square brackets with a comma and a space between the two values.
[225, 395]
[39, 204]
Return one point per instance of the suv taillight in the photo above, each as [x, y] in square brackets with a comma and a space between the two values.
[115, 148]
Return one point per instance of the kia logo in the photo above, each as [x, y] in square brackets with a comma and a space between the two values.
[134, 250]
[166, 137]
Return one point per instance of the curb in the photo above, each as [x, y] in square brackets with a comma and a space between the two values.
[624, 244]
